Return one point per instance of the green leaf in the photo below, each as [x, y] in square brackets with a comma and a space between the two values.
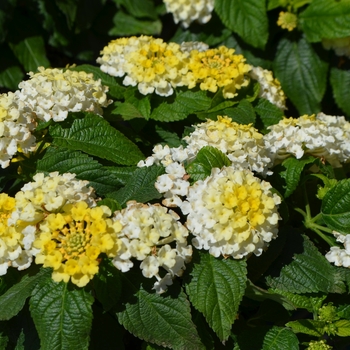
[342, 328]
[311, 327]
[20, 341]
[340, 80]
[185, 103]
[278, 338]
[247, 18]
[242, 114]
[216, 288]
[161, 319]
[115, 89]
[207, 158]
[308, 271]
[326, 19]
[122, 173]
[10, 71]
[110, 203]
[268, 113]
[96, 137]
[125, 25]
[3, 341]
[12, 302]
[299, 68]
[343, 311]
[272, 4]
[139, 8]
[336, 207]
[170, 138]
[69, 9]
[294, 168]
[62, 315]
[30, 51]
[86, 168]
[140, 186]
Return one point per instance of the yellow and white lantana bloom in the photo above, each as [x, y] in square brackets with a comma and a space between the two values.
[231, 213]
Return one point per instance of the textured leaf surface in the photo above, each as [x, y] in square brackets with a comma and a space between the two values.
[207, 158]
[161, 319]
[311, 327]
[247, 18]
[326, 19]
[243, 114]
[336, 207]
[299, 68]
[140, 186]
[185, 103]
[294, 168]
[309, 272]
[278, 338]
[12, 302]
[216, 288]
[139, 8]
[85, 168]
[340, 81]
[343, 328]
[268, 112]
[62, 315]
[96, 137]
[31, 53]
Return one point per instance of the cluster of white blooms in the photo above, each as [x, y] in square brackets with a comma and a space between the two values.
[156, 237]
[243, 144]
[231, 213]
[188, 11]
[338, 256]
[52, 93]
[270, 88]
[149, 63]
[341, 46]
[11, 249]
[322, 136]
[16, 126]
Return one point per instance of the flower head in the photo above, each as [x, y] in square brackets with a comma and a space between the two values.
[338, 256]
[52, 93]
[71, 241]
[321, 136]
[287, 20]
[149, 63]
[270, 88]
[231, 213]
[16, 126]
[188, 11]
[218, 68]
[156, 238]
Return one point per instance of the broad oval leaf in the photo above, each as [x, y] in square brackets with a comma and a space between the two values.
[311, 327]
[278, 338]
[62, 315]
[299, 68]
[94, 135]
[340, 81]
[247, 18]
[215, 288]
[336, 207]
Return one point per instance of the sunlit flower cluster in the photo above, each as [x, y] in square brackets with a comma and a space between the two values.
[149, 63]
[270, 87]
[188, 11]
[11, 250]
[71, 241]
[218, 68]
[287, 20]
[16, 126]
[341, 46]
[52, 93]
[322, 136]
[231, 213]
[338, 256]
[242, 143]
[155, 237]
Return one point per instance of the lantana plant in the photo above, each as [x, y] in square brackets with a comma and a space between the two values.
[176, 194]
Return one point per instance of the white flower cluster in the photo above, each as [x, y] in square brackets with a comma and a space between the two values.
[156, 237]
[341, 46]
[242, 144]
[270, 88]
[16, 126]
[188, 11]
[338, 256]
[322, 136]
[52, 93]
[231, 213]
[149, 63]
